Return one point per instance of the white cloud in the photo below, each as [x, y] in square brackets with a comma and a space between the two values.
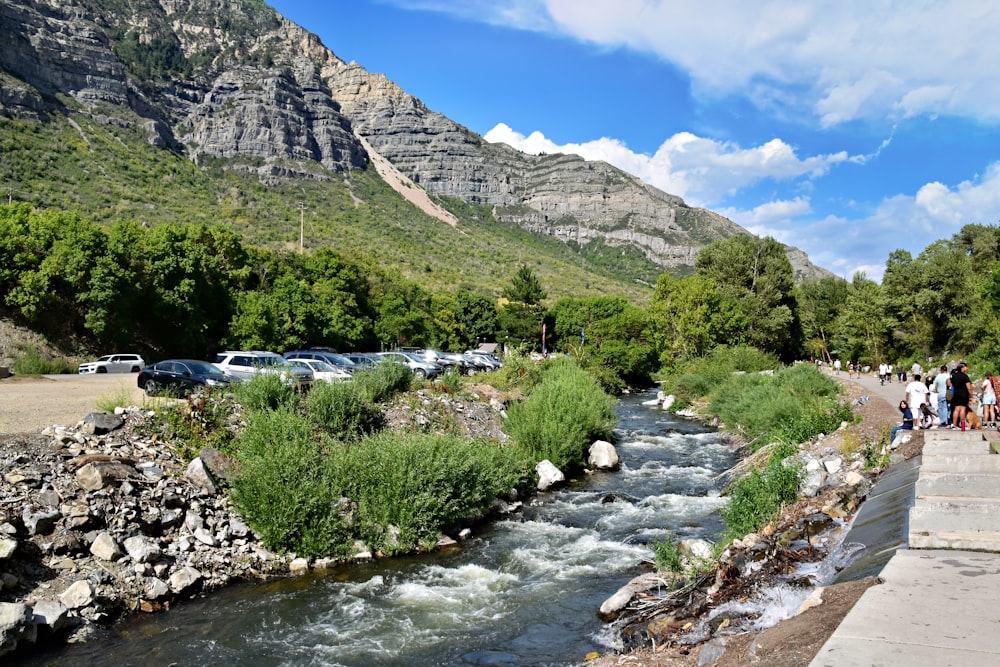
[908, 222]
[839, 61]
[702, 171]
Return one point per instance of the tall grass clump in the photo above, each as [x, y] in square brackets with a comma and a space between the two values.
[343, 410]
[562, 416]
[756, 497]
[791, 405]
[264, 391]
[33, 361]
[519, 372]
[422, 483]
[286, 485]
[383, 380]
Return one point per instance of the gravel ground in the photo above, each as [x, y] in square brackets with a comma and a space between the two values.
[29, 404]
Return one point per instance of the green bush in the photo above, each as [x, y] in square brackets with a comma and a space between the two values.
[33, 362]
[343, 410]
[189, 432]
[383, 381]
[421, 484]
[698, 377]
[791, 405]
[519, 372]
[264, 391]
[563, 415]
[667, 555]
[756, 497]
[286, 486]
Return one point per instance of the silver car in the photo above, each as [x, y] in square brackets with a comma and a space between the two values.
[243, 365]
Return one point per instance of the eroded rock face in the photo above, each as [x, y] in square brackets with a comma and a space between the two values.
[270, 99]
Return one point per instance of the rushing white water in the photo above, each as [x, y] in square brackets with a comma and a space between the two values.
[524, 591]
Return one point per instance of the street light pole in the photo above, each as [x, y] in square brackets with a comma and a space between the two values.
[302, 210]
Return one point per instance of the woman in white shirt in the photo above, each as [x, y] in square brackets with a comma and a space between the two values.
[989, 403]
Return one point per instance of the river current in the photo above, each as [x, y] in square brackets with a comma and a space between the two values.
[521, 591]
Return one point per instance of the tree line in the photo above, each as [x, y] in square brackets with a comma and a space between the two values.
[193, 289]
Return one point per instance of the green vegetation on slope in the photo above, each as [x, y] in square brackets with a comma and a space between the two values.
[108, 174]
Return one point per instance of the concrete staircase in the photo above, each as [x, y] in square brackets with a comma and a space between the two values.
[957, 504]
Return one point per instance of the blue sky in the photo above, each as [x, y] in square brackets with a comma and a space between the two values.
[846, 128]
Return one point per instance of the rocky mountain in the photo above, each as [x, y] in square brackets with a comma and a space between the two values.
[232, 80]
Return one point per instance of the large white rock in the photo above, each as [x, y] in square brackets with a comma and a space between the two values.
[80, 594]
[7, 547]
[50, 613]
[156, 589]
[548, 475]
[198, 475]
[142, 550]
[668, 401]
[184, 579]
[603, 456]
[106, 548]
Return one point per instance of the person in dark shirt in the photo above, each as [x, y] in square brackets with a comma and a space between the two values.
[961, 387]
[907, 424]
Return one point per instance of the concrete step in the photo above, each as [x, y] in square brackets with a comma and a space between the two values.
[959, 446]
[956, 540]
[958, 484]
[948, 514]
[974, 463]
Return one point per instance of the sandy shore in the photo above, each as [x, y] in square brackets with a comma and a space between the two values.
[29, 404]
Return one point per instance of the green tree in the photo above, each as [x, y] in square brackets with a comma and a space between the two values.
[690, 316]
[525, 287]
[476, 315]
[865, 324]
[756, 273]
[820, 303]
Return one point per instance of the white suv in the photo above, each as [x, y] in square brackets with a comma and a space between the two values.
[114, 363]
[244, 365]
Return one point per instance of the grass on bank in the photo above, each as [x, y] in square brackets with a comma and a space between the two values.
[765, 404]
[319, 471]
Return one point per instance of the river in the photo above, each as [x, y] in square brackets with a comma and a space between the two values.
[522, 591]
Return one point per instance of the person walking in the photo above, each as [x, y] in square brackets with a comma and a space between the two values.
[941, 383]
[961, 387]
[916, 396]
[989, 402]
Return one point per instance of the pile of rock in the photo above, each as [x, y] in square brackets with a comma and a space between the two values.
[96, 522]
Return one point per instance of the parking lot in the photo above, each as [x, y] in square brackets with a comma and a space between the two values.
[28, 405]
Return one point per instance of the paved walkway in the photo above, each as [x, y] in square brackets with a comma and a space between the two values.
[940, 600]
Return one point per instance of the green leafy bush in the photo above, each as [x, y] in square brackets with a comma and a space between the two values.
[519, 372]
[667, 555]
[698, 377]
[286, 487]
[422, 483]
[565, 412]
[343, 410]
[757, 496]
[264, 391]
[33, 362]
[383, 381]
[791, 405]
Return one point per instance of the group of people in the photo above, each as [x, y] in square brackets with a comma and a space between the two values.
[946, 400]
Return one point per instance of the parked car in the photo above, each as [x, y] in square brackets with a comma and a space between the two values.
[362, 360]
[329, 356]
[322, 370]
[243, 365]
[485, 357]
[180, 376]
[113, 363]
[420, 368]
[447, 362]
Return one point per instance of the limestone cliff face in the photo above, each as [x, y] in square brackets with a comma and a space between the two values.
[232, 79]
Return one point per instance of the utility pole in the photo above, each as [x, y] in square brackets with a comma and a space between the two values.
[302, 211]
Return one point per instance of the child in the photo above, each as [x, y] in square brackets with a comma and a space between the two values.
[907, 424]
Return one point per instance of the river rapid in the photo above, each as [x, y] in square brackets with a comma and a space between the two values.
[521, 591]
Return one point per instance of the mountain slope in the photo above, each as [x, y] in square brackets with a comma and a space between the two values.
[223, 88]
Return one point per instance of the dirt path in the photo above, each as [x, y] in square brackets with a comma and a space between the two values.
[29, 404]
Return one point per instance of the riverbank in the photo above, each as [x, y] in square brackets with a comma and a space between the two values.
[795, 641]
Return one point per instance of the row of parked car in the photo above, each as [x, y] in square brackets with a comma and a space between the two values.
[299, 368]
